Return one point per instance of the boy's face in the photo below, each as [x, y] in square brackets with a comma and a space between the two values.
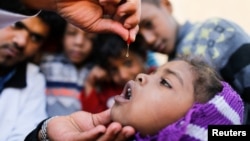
[154, 101]
[124, 68]
[158, 27]
[77, 44]
[21, 40]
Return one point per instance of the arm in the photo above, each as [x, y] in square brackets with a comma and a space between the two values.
[229, 54]
[84, 126]
[224, 45]
[237, 71]
[96, 75]
[91, 95]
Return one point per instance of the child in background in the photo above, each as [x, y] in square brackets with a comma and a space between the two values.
[116, 68]
[66, 71]
[177, 102]
[223, 44]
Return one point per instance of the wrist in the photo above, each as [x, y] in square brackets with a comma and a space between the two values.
[43, 134]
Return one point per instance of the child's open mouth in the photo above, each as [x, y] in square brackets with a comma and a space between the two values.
[126, 95]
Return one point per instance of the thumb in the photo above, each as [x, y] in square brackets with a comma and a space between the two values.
[102, 118]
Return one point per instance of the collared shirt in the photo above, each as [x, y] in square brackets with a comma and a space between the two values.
[6, 78]
[22, 103]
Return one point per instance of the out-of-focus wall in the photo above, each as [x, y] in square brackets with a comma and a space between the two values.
[199, 10]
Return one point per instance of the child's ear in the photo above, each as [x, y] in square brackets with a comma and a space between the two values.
[168, 5]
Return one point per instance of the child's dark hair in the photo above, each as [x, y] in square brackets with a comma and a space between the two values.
[207, 81]
[57, 27]
[56, 23]
[113, 46]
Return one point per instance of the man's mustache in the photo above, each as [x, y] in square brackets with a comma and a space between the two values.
[13, 47]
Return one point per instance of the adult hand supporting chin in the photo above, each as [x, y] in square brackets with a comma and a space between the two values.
[86, 126]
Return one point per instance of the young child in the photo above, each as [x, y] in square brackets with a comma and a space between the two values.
[177, 102]
[98, 94]
[66, 71]
[221, 42]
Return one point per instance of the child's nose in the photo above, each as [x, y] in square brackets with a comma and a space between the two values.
[79, 39]
[148, 37]
[141, 78]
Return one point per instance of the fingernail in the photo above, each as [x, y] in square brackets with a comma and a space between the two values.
[128, 26]
[116, 132]
[127, 135]
[131, 37]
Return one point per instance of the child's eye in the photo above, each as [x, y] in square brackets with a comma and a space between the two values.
[128, 63]
[148, 25]
[164, 82]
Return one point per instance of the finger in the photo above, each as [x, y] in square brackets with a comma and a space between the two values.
[129, 13]
[131, 22]
[109, 25]
[133, 32]
[112, 131]
[106, 2]
[126, 133]
[92, 134]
